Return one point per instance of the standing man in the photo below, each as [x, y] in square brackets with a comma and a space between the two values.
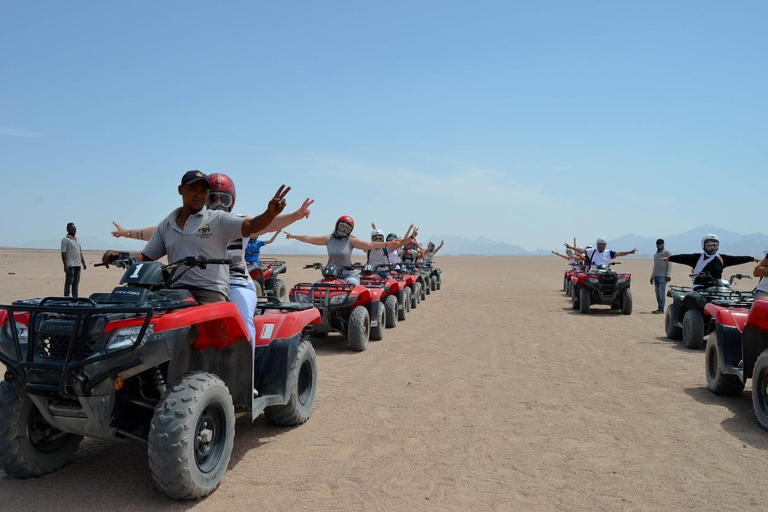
[661, 274]
[72, 257]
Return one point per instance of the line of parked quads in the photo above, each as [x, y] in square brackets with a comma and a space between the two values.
[729, 324]
[146, 362]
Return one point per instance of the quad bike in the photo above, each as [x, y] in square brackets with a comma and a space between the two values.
[265, 277]
[422, 274]
[147, 363]
[396, 295]
[435, 276]
[686, 317]
[567, 279]
[737, 350]
[601, 285]
[412, 284]
[355, 311]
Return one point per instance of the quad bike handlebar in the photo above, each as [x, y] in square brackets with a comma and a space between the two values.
[316, 266]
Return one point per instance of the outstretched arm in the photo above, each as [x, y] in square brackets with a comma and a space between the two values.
[273, 238]
[252, 225]
[574, 248]
[283, 221]
[307, 239]
[761, 270]
[558, 254]
[368, 246]
[626, 253]
[137, 234]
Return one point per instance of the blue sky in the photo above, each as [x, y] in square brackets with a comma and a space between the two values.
[525, 122]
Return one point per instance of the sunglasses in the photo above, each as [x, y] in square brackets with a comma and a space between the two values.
[378, 239]
[220, 197]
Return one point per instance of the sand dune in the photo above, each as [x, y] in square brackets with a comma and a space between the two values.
[493, 395]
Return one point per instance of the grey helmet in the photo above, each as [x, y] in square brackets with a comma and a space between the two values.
[601, 240]
[376, 233]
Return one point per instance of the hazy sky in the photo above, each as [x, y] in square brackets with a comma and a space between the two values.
[519, 121]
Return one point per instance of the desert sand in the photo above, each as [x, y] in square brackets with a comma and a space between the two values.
[493, 395]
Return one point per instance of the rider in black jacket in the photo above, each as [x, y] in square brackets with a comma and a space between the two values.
[708, 261]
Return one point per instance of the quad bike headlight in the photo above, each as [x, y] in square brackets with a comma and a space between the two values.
[338, 299]
[21, 331]
[127, 336]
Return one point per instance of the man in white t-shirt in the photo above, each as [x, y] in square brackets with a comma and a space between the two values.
[599, 256]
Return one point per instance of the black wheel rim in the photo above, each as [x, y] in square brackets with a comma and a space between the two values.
[712, 363]
[209, 437]
[44, 437]
[762, 390]
[304, 385]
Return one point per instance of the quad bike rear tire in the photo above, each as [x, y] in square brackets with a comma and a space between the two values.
[303, 390]
[423, 292]
[29, 446]
[402, 314]
[760, 389]
[415, 295]
[718, 382]
[575, 290]
[626, 302]
[565, 284]
[280, 290]
[259, 290]
[584, 300]
[433, 283]
[427, 286]
[377, 331]
[439, 281]
[693, 329]
[359, 329]
[672, 331]
[569, 288]
[391, 313]
[191, 436]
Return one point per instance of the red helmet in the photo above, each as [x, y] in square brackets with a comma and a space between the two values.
[222, 193]
[346, 219]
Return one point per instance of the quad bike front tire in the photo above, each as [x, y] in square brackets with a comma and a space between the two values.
[439, 281]
[584, 300]
[672, 331]
[280, 290]
[693, 329]
[377, 331]
[303, 390]
[718, 382]
[359, 329]
[415, 295]
[565, 284]
[191, 436]
[575, 291]
[29, 446]
[626, 302]
[402, 314]
[390, 311]
[760, 389]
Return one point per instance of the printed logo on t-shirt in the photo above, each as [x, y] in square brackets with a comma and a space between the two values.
[204, 231]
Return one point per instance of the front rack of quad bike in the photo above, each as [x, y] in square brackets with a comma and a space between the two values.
[63, 336]
[321, 292]
[277, 266]
[745, 301]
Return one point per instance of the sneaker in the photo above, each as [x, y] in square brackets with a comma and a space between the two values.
[657, 311]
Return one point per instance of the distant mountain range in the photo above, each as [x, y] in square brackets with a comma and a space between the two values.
[730, 243]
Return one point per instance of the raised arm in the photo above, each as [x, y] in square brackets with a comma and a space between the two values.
[137, 234]
[252, 225]
[439, 246]
[307, 239]
[408, 232]
[283, 221]
[273, 238]
[561, 255]
[403, 241]
[574, 248]
[626, 253]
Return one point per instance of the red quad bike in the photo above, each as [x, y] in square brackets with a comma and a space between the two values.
[266, 280]
[568, 278]
[355, 311]
[146, 363]
[601, 285]
[396, 294]
[737, 350]
[412, 285]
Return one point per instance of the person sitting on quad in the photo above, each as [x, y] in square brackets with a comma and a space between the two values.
[253, 250]
[428, 254]
[221, 197]
[709, 260]
[340, 244]
[599, 256]
[377, 257]
[576, 261]
[761, 271]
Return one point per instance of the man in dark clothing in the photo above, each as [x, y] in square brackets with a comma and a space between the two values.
[708, 261]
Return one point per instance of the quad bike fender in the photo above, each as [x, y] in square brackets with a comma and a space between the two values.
[729, 349]
[219, 325]
[729, 317]
[693, 301]
[374, 311]
[365, 296]
[274, 370]
[755, 341]
[279, 325]
[402, 297]
[758, 316]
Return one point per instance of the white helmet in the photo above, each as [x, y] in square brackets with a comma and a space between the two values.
[377, 232]
[711, 240]
[601, 240]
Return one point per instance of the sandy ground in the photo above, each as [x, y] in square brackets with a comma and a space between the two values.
[493, 395]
